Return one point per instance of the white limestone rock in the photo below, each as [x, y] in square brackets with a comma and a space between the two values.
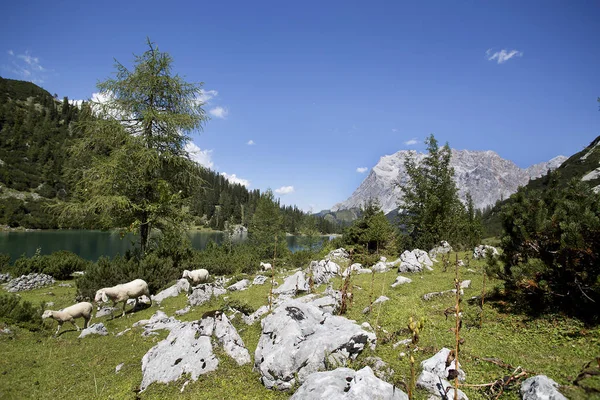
[182, 285]
[435, 374]
[94, 329]
[401, 280]
[203, 293]
[238, 286]
[482, 250]
[540, 387]
[293, 284]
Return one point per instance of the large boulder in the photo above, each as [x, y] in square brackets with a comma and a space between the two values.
[323, 271]
[354, 268]
[203, 293]
[409, 262]
[189, 350]
[443, 248]
[182, 285]
[347, 384]
[401, 280]
[293, 284]
[298, 339]
[94, 329]
[239, 286]
[435, 374]
[158, 321]
[482, 250]
[338, 254]
[423, 259]
[540, 387]
[260, 280]
[380, 267]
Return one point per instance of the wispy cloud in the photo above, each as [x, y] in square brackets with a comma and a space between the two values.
[207, 95]
[219, 112]
[394, 130]
[250, 142]
[233, 178]
[503, 55]
[26, 67]
[411, 142]
[285, 190]
[202, 157]
[362, 170]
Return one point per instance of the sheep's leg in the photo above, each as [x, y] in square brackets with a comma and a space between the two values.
[57, 329]
[124, 304]
[86, 322]
[75, 323]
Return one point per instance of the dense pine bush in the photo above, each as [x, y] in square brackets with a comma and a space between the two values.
[60, 264]
[13, 311]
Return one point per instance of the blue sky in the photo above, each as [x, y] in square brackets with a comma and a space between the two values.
[323, 88]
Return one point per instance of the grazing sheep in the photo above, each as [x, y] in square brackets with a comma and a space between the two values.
[122, 293]
[265, 267]
[196, 276]
[70, 313]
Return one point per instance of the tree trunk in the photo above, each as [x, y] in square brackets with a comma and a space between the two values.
[144, 233]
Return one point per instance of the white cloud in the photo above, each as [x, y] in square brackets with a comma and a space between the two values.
[233, 178]
[27, 67]
[362, 170]
[250, 142]
[202, 157]
[411, 142]
[394, 130]
[206, 95]
[285, 190]
[219, 112]
[503, 55]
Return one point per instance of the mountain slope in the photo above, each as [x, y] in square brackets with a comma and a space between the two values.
[484, 174]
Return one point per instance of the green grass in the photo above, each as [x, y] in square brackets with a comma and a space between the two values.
[37, 365]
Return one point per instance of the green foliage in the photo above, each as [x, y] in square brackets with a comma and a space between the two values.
[372, 232]
[265, 231]
[432, 211]
[550, 249]
[131, 168]
[4, 261]
[239, 305]
[14, 311]
[60, 264]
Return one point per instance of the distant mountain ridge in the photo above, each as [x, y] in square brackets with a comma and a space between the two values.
[484, 174]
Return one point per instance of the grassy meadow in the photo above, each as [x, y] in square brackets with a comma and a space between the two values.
[38, 365]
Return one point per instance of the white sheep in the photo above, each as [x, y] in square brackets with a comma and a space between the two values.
[196, 276]
[122, 293]
[265, 267]
[70, 313]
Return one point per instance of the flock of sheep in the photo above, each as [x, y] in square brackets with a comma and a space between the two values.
[118, 294]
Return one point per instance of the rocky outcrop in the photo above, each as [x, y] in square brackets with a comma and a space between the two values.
[443, 248]
[5, 277]
[298, 339]
[189, 350]
[353, 269]
[323, 271]
[94, 329]
[28, 282]
[158, 321]
[481, 251]
[435, 374]
[339, 254]
[238, 286]
[203, 293]
[401, 280]
[483, 174]
[293, 284]
[540, 387]
[259, 280]
[182, 285]
[346, 383]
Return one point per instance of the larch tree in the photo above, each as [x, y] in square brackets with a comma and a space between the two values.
[131, 169]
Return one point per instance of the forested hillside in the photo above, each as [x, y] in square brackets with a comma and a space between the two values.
[36, 132]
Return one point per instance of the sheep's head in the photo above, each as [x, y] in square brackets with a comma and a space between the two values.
[100, 297]
[47, 314]
[186, 274]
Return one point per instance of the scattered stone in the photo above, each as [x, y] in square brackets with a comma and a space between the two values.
[259, 280]
[380, 299]
[380, 267]
[78, 273]
[298, 339]
[382, 258]
[481, 251]
[293, 284]
[471, 271]
[239, 286]
[345, 383]
[188, 349]
[465, 284]
[183, 310]
[123, 332]
[401, 280]
[323, 271]
[354, 268]
[49, 304]
[430, 296]
[94, 329]
[435, 374]
[340, 253]
[443, 248]
[540, 387]
[28, 282]
[203, 293]
[256, 315]
[404, 342]
[182, 285]
[118, 368]
[5, 331]
[364, 271]
[381, 369]
[104, 311]
[65, 285]
[158, 321]
[366, 325]
[5, 277]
